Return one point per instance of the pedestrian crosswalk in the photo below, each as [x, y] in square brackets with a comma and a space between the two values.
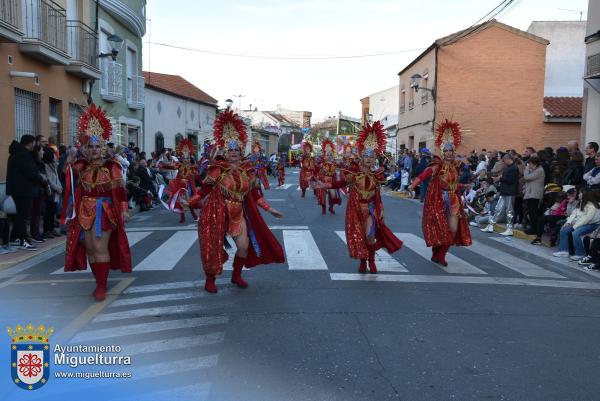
[306, 250]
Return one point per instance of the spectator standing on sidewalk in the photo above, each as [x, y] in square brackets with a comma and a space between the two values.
[574, 173]
[54, 191]
[22, 181]
[590, 156]
[533, 175]
[559, 166]
[508, 193]
[424, 162]
[39, 198]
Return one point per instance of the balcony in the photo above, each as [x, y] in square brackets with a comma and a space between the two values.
[111, 80]
[135, 92]
[593, 66]
[82, 50]
[45, 28]
[11, 21]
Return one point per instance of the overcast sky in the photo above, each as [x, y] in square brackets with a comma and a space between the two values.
[312, 28]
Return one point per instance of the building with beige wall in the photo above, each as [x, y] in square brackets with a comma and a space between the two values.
[489, 79]
[591, 93]
[47, 56]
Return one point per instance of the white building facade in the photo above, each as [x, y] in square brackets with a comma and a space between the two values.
[591, 91]
[383, 106]
[565, 56]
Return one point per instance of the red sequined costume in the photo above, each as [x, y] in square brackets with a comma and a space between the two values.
[307, 167]
[230, 196]
[443, 198]
[327, 174]
[97, 205]
[260, 168]
[365, 227]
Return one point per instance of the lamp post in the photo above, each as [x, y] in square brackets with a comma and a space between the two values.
[116, 43]
[416, 80]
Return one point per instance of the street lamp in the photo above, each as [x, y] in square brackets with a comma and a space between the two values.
[228, 103]
[416, 80]
[116, 43]
[369, 118]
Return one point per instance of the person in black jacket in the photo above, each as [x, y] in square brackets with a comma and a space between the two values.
[508, 192]
[573, 175]
[590, 155]
[22, 183]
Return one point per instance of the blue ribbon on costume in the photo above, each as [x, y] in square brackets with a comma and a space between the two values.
[252, 235]
[372, 212]
[99, 210]
[190, 193]
[446, 197]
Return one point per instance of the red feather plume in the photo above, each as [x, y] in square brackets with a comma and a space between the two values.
[328, 146]
[307, 145]
[86, 126]
[256, 147]
[372, 136]
[446, 130]
[225, 118]
[186, 144]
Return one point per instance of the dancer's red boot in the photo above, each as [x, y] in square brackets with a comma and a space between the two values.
[238, 265]
[323, 209]
[363, 266]
[209, 284]
[100, 271]
[372, 266]
[303, 192]
[331, 206]
[442, 255]
[435, 254]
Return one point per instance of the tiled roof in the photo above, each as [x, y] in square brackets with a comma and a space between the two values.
[176, 85]
[563, 107]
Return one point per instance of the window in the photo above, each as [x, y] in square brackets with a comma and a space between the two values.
[424, 93]
[27, 113]
[422, 145]
[411, 99]
[54, 116]
[178, 138]
[75, 112]
[159, 142]
[403, 101]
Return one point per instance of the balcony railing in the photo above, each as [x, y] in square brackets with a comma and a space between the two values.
[46, 21]
[411, 104]
[10, 14]
[111, 80]
[593, 66]
[135, 92]
[82, 43]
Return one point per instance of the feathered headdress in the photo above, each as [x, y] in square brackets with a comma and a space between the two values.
[307, 146]
[230, 131]
[186, 148]
[348, 148]
[256, 147]
[93, 126]
[328, 147]
[448, 135]
[371, 139]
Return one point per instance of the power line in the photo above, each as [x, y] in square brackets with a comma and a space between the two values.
[277, 57]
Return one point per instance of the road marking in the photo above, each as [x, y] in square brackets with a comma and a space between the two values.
[170, 286]
[156, 311]
[13, 280]
[93, 310]
[40, 258]
[187, 228]
[166, 256]
[284, 186]
[302, 253]
[152, 327]
[159, 298]
[455, 264]
[406, 278]
[288, 227]
[275, 200]
[509, 261]
[140, 218]
[384, 261]
[173, 367]
[170, 343]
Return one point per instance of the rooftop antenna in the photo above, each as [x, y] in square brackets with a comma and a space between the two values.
[580, 12]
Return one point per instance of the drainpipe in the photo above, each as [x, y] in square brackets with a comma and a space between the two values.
[435, 87]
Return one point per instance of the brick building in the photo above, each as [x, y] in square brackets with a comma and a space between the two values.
[491, 80]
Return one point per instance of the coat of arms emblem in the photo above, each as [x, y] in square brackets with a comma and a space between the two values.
[30, 355]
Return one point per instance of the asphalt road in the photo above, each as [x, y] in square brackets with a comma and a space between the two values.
[505, 321]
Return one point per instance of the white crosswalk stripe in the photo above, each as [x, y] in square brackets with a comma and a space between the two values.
[155, 311]
[384, 261]
[284, 186]
[166, 256]
[301, 251]
[455, 265]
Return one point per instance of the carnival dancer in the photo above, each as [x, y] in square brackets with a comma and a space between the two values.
[281, 171]
[327, 174]
[229, 201]
[307, 166]
[98, 205]
[444, 220]
[260, 165]
[365, 227]
[185, 181]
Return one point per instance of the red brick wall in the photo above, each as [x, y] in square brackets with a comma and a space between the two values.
[493, 84]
